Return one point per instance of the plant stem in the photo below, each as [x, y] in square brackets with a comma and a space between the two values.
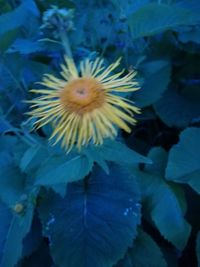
[65, 42]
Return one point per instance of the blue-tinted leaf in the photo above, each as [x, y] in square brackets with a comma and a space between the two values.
[63, 169]
[11, 184]
[5, 216]
[161, 203]
[7, 39]
[156, 79]
[176, 109]
[33, 157]
[4, 125]
[184, 165]
[14, 228]
[155, 18]
[190, 34]
[26, 47]
[18, 17]
[120, 153]
[96, 221]
[96, 157]
[145, 252]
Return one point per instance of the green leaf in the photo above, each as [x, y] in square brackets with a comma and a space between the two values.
[62, 170]
[145, 252]
[96, 221]
[17, 228]
[198, 248]
[184, 109]
[162, 205]
[119, 153]
[155, 18]
[156, 79]
[184, 165]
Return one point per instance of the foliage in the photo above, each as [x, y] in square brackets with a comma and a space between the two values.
[128, 202]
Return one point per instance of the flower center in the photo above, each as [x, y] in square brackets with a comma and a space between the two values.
[82, 95]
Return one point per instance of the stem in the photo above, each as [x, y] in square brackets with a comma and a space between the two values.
[65, 42]
[66, 45]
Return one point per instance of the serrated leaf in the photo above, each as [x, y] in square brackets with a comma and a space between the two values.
[62, 170]
[145, 252]
[156, 79]
[155, 18]
[162, 205]
[184, 165]
[96, 221]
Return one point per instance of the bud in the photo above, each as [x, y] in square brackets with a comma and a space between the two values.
[56, 20]
[18, 208]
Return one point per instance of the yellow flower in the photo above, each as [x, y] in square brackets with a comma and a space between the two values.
[83, 105]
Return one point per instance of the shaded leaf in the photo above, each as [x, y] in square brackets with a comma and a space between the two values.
[184, 165]
[62, 170]
[155, 18]
[176, 109]
[119, 153]
[18, 17]
[162, 205]
[156, 79]
[17, 228]
[145, 252]
[11, 184]
[96, 221]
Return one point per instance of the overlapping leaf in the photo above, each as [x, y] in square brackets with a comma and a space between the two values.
[145, 252]
[96, 221]
[184, 165]
[155, 18]
[161, 203]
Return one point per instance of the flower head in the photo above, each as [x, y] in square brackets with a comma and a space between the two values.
[84, 106]
[55, 19]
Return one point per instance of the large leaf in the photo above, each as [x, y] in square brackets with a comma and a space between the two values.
[156, 79]
[11, 184]
[17, 201]
[18, 17]
[184, 165]
[14, 228]
[155, 18]
[62, 170]
[177, 108]
[145, 252]
[96, 221]
[162, 205]
[118, 152]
